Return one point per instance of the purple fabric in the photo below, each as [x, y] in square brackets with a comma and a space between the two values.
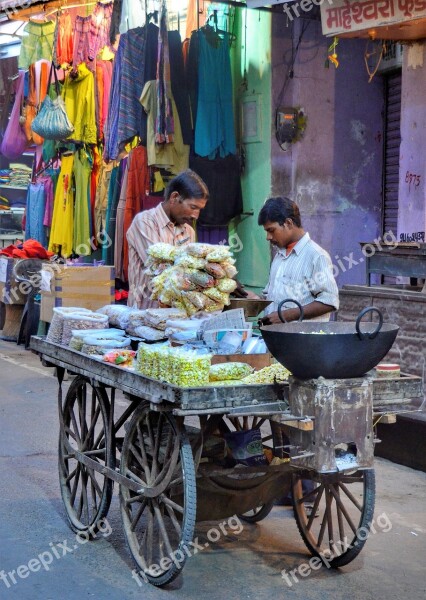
[212, 235]
[49, 195]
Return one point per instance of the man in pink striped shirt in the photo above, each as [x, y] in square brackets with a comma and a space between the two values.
[170, 223]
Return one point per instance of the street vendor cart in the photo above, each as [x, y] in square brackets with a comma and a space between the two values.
[166, 453]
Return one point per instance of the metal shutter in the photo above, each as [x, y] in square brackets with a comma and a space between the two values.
[392, 143]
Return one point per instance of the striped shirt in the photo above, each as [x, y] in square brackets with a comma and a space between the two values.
[305, 275]
[150, 227]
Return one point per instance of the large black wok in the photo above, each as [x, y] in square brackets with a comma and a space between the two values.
[344, 350]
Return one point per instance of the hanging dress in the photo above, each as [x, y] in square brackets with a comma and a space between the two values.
[61, 235]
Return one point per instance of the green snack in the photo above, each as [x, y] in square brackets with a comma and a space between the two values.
[227, 285]
[231, 370]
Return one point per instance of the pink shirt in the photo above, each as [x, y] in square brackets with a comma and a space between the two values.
[150, 227]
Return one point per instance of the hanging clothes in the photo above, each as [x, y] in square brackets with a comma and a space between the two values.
[173, 156]
[99, 28]
[132, 15]
[119, 229]
[79, 97]
[222, 177]
[114, 31]
[82, 28]
[82, 170]
[49, 181]
[94, 180]
[214, 128]
[179, 86]
[191, 69]
[111, 217]
[36, 204]
[137, 190]
[164, 125]
[61, 235]
[37, 44]
[101, 201]
[63, 49]
[194, 20]
[126, 116]
[103, 92]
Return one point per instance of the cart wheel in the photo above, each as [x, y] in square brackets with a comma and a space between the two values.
[342, 510]
[271, 438]
[86, 493]
[159, 521]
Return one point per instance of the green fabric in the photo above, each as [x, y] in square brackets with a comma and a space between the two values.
[82, 172]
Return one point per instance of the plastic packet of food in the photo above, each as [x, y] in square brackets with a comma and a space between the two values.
[162, 252]
[219, 254]
[215, 269]
[201, 279]
[149, 333]
[199, 250]
[198, 299]
[186, 261]
[218, 296]
[227, 286]
[229, 269]
[231, 370]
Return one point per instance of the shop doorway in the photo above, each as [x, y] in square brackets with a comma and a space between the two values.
[392, 142]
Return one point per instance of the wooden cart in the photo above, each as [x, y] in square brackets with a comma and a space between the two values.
[166, 452]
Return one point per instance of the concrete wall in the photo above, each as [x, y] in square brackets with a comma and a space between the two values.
[412, 189]
[335, 172]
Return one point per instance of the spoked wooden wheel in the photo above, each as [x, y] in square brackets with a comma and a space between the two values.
[158, 519]
[342, 507]
[271, 440]
[86, 493]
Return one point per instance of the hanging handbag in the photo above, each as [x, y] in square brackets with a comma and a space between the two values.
[14, 141]
[52, 122]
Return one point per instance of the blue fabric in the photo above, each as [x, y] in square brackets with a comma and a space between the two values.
[111, 150]
[126, 117]
[214, 130]
[36, 200]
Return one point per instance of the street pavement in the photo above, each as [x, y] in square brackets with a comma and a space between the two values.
[242, 564]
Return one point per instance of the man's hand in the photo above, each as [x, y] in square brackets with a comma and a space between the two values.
[239, 292]
[271, 319]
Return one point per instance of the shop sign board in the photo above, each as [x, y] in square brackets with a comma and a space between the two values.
[346, 16]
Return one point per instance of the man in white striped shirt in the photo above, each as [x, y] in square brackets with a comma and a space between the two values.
[301, 269]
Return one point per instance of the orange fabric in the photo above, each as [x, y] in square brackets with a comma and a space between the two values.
[137, 189]
[31, 108]
[192, 23]
[289, 248]
[65, 41]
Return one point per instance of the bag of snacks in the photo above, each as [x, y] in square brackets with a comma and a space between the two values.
[227, 286]
[215, 270]
[162, 252]
[219, 254]
[218, 296]
[199, 250]
[122, 358]
[157, 317]
[149, 333]
[229, 269]
[56, 328]
[100, 345]
[186, 261]
[231, 370]
[81, 321]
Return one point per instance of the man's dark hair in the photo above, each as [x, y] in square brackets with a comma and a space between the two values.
[188, 185]
[277, 210]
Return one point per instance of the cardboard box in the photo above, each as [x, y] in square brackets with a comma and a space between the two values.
[84, 287]
[257, 361]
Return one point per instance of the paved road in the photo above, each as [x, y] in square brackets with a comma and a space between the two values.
[240, 565]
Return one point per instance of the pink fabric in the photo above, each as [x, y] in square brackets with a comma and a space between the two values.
[48, 188]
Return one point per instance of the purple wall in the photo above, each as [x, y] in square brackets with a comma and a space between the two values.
[335, 172]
